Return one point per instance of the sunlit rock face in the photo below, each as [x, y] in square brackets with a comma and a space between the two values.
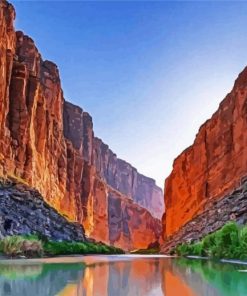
[49, 144]
[213, 166]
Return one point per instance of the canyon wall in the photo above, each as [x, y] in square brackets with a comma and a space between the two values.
[232, 207]
[212, 167]
[23, 211]
[49, 144]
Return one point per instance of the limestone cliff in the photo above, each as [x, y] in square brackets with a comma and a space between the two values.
[50, 144]
[211, 168]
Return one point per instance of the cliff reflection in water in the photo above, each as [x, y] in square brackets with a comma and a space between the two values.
[120, 276]
[37, 279]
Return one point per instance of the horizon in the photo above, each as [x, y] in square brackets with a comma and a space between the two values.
[175, 97]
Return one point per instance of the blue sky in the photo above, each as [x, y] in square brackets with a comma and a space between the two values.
[150, 73]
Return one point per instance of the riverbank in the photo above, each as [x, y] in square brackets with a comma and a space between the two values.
[32, 246]
[229, 242]
[231, 261]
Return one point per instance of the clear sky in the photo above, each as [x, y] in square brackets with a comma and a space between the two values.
[150, 73]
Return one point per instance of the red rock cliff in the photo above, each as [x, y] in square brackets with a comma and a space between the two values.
[213, 166]
[49, 144]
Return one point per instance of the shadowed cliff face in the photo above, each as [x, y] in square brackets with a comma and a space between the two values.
[213, 166]
[50, 144]
[23, 211]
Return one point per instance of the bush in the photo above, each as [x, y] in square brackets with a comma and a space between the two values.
[14, 246]
[32, 246]
[243, 243]
[227, 241]
[183, 250]
[197, 249]
[209, 244]
[68, 248]
[230, 242]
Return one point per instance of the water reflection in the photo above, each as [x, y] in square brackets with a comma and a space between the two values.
[120, 276]
[226, 279]
[37, 279]
[135, 277]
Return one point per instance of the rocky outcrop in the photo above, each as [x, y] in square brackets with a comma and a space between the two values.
[50, 144]
[232, 207]
[211, 168]
[23, 211]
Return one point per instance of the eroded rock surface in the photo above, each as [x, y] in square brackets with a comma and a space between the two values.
[50, 144]
[232, 207]
[211, 168]
[23, 211]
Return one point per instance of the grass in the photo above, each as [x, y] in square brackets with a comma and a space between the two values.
[229, 242]
[14, 246]
[33, 246]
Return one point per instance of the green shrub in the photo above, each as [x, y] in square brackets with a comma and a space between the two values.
[19, 246]
[183, 250]
[209, 244]
[243, 243]
[32, 246]
[197, 249]
[230, 242]
[68, 248]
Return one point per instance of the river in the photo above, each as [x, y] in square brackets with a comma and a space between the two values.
[125, 275]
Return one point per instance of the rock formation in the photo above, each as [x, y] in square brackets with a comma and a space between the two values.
[210, 169]
[23, 211]
[216, 214]
[49, 144]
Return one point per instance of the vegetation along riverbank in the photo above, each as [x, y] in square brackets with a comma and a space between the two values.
[229, 242]
[32, 246]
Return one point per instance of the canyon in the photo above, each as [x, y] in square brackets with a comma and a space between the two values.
[49, 144]
[207, 186]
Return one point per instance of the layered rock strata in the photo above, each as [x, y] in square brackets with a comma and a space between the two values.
[209, 170]
[49, 144]
[232, 207]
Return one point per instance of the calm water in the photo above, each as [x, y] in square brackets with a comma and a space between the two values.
[121, 276]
